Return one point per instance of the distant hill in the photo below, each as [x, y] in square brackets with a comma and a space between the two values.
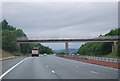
[70, 50]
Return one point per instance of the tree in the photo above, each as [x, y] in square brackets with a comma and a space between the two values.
[99, 48]
[5, 26]
[44, 49]
[9, 38]
[9, 41]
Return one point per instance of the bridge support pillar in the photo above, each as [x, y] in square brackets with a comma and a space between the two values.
[114, 46]
[66, 47]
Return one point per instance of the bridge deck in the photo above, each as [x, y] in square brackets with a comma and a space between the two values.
[69, 40]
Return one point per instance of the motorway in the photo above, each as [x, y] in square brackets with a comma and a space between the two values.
[52, 67]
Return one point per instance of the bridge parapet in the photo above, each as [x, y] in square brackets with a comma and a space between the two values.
[22, 38]
[108, 37]
[38, 38]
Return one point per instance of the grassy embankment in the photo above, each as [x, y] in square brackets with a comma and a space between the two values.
[5, 55]
[110, 55]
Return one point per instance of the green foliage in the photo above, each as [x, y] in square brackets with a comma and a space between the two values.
[25, 48]
[9, 41]
[113, 32]
[6, 26]
[19, 33]
[16, 54]
[61, 53]
[9, 38]
[111, 55]
[97, 48]
[100, 48]
[44, 49]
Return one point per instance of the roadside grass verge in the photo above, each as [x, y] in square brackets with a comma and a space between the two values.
[110, 55]
[5, 55]
[8, 57]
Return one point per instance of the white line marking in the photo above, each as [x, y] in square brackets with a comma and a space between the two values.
[53, 71]
[92, 64]
[94, 72]
[105, 67]
[11, 69]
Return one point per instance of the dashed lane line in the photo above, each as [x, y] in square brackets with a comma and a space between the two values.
[53, 71]
[94, 72]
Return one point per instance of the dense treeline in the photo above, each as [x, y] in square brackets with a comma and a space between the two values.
[61, 53]
[44, 49]
[9, 40]
[100, 48]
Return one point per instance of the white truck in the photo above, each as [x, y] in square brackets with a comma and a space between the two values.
[35, 52]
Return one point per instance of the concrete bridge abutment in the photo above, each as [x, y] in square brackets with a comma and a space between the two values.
[114, 47]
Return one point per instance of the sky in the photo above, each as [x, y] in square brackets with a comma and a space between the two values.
[62, 19]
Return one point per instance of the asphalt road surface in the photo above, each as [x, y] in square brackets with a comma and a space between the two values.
[7, 64]
[52, 67]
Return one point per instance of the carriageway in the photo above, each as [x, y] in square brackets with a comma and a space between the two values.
[113, 39]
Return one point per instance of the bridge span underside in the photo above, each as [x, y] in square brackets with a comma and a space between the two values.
[66, 41]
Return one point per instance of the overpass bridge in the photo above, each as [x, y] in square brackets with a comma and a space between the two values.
[112, 39]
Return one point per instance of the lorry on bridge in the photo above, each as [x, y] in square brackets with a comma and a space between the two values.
[35, 52]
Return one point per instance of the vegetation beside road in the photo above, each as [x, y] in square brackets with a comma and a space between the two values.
[111, 55]
[101, 48]
[5, 55]
[9, 39]
[61, 53]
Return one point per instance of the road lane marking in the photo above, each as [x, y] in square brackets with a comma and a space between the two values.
[5, 73]
[94, 72]
[105, 67]
[53, 71]
[88, 64]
